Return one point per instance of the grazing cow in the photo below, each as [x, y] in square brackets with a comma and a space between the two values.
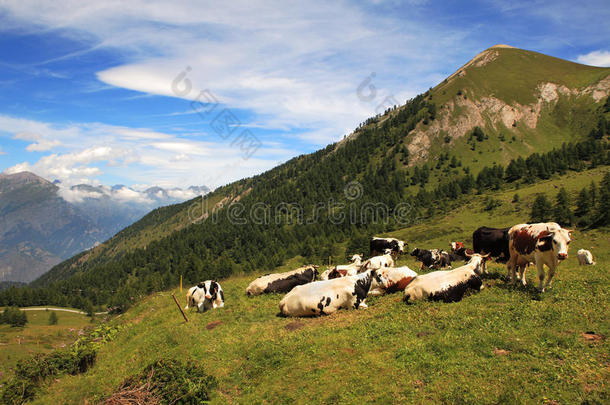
[378, 262]
[282, 282]
[205, 295]
[379, 245]
[326, 297]
[447, 285]
[343, 269]
[432, 259]
[585, 258]
[541, 243]
[398, 278]
[493, 241]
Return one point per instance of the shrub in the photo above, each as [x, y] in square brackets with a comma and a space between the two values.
[168, 381]
[52, 318]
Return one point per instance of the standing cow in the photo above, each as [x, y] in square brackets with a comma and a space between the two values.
[205, 295]
[541, 243]
[585, 258]
[493, 241]
[379, 246]
[326, 297]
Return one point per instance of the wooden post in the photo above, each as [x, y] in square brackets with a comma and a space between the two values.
[180, 283]
[180, 308]
[329, 260]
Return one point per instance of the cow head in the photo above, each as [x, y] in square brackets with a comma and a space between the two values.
[415, 252]
[379, 279]
[212, 290]
[401, 246]
[557, 241]
[387, 252]
[479, 262]
[356, 259]
[456, 246]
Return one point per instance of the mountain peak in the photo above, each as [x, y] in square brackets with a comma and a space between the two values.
[501, 46]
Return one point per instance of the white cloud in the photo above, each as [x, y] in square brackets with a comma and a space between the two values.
[295, 65]
[595, 58]
[40, 144]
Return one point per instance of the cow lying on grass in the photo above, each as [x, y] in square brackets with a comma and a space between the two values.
[328, 296]
[585, 258]
[205, 295]
[397, 279]
[378, 262]
[282, 282]
[343, 270]
[432, 259]
[447, 285]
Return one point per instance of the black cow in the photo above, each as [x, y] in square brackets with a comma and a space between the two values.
[493, 241]
[459, 252]
[379, 246]
[432, 259]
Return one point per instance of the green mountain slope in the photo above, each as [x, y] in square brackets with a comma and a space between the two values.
[502, 345]
[418, 159]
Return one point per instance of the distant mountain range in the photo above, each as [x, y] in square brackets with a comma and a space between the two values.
[43, 223]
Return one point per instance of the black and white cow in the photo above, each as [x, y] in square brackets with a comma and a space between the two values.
[205, 295]
[432, 259]
[282, 282]
[328, 296]
[447, 285]
[379, 246]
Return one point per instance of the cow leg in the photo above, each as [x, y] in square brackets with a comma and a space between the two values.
[512, 270]
[550, 277]
[540, 267]
[522, 271]
[363, 305]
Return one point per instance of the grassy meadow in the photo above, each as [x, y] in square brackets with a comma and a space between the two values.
[38, 336]
[505, 344]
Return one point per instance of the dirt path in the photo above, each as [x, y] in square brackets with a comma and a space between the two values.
[74, 311]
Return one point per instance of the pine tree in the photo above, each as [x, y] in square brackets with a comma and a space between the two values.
[601, 216]
[53, 318]
[541, 210]
[563, 213]
[583, 206]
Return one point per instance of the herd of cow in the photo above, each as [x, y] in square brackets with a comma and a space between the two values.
[347, 286]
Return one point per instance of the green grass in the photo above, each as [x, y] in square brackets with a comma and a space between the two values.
[38, 336]
[503, 345]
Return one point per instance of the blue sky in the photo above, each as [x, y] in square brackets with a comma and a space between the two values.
[92, 92]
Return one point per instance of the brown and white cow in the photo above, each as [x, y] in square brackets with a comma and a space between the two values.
[544, 243]
[447, 285]
[585, 258]
[378, 262]
[328, 296]
[343, 270]
[397, 279]
[282, 282]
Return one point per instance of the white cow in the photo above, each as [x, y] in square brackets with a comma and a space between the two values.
[541, 243]
[328, 296]
[343, 270]
[447, 285]
[205, 295]
[398, 278]
[378, 262]
[585, 258]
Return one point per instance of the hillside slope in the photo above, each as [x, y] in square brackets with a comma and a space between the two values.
[411, 158]
[502, 345]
